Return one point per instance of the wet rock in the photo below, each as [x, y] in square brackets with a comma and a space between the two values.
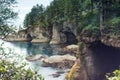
[59, 61]
[55, 75]
[60, 72]
[35, 57]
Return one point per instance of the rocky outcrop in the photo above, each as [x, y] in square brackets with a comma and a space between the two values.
[70, 26]
[64, 33]
[77, 72]
[33, 34]
[59, 61]
[57, 37]
[59, 33]
[107, 40]
[39, 34]
[71, 49]
[17, 36]
[70, 30]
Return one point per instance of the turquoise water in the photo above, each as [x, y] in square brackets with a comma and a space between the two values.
[34, 48]
[24, 49]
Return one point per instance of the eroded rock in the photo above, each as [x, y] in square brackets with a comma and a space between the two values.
[77, 72]
[60, 61]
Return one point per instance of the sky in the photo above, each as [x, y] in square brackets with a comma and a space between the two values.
[24, 6]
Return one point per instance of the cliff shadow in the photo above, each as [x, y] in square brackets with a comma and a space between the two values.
[101, 59]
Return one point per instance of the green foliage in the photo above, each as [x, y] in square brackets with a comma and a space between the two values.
[81, 47]
[91, 16]
[91, 30]
[114, 76]
[35, 17]
[6, 15]
[115, 21]
[9, 71]
[58, 11]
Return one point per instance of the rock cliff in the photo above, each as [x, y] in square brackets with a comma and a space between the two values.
[33, 34]
[59, 33]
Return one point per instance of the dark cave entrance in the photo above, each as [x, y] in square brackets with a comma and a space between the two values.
[101, 59]
[29, 38]
[71, 38]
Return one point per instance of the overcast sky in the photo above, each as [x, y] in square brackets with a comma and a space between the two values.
[24, 7]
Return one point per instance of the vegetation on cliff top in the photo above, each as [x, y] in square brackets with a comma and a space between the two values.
[92, 16]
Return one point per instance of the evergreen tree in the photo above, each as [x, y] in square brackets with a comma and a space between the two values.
[6, 14]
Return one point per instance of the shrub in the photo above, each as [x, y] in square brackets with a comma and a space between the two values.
[114, 76]
[9, 71]
[91, 30]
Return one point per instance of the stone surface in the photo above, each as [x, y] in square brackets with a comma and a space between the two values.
[33, 34]
[77, 72]
[57, 36]
[72, 47]
[35, 57]
[59, 61]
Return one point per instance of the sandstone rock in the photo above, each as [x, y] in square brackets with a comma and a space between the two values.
[59, 61]
[57, 37]
[77, 72]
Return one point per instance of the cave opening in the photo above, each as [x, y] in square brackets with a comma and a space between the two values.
[71, 38]
[101, 59]
[29, 38]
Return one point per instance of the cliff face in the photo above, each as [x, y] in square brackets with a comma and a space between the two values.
[59, 33]
[39, 34]
[33, 34]
[57, 36]
[64, 33]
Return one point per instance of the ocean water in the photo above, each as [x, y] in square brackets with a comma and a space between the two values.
[24, 49]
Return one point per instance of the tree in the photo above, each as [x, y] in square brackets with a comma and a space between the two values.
[35, 17]
[6, 14]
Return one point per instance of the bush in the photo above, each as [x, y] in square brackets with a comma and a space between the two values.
[9, 71]
[91, 30]
[115, 21]
[114, 76]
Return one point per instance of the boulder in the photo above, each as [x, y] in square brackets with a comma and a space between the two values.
[72, 47]
[35, 57]
[59, 61]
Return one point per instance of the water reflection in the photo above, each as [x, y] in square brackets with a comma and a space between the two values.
[41, 48]
[35, 48]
